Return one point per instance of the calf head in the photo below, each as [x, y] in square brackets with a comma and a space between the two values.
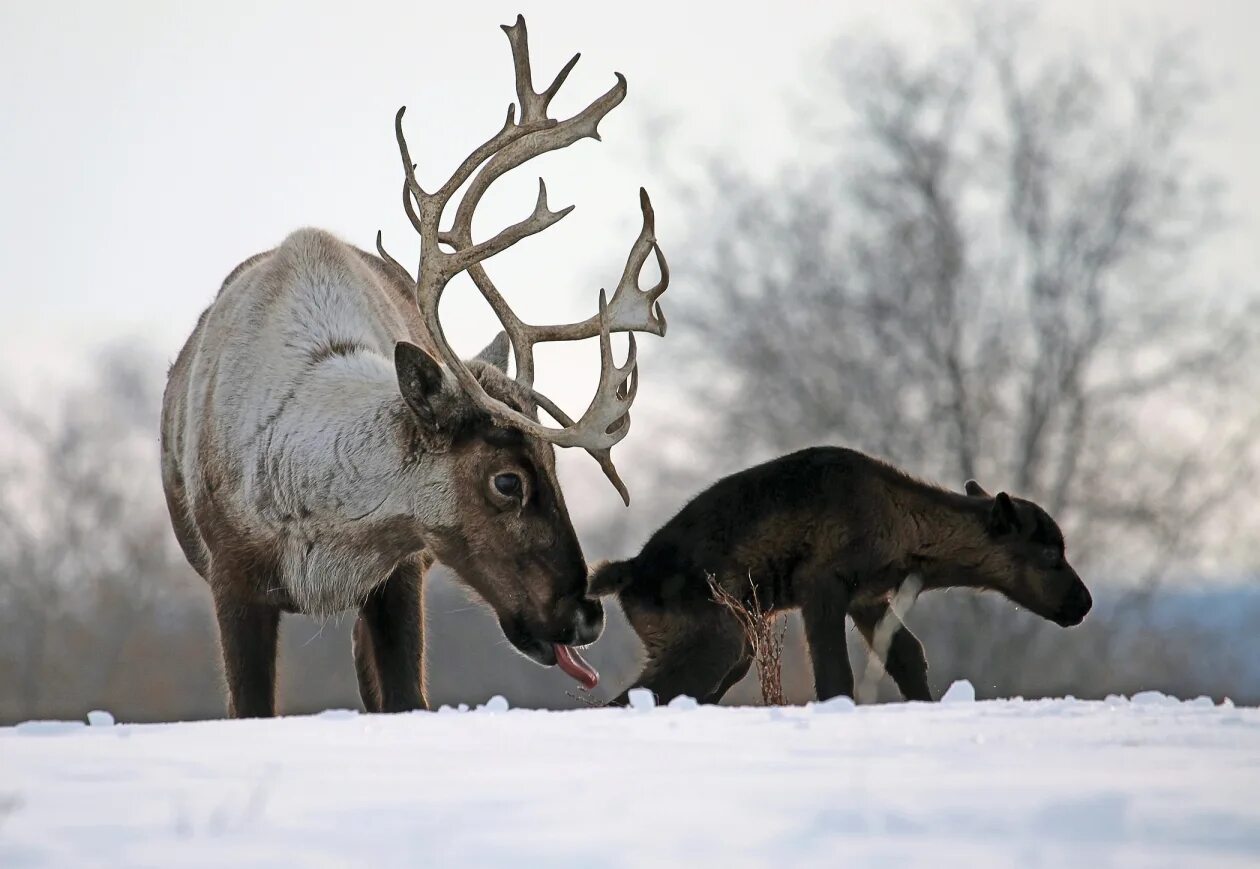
[1025, 559]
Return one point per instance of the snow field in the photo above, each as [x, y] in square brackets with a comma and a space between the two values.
[1149, 781]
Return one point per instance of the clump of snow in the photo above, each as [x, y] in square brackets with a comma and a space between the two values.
[100, 718]
[338, 714]
[1153, 698]
[642, 699]
[961, 691]
[497, 703]
[835, 704]
[683, 702]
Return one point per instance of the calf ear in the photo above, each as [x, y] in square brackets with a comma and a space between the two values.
[1002, 518]
[419, 380]
[496, 352]
[974, 489]
[609, 577]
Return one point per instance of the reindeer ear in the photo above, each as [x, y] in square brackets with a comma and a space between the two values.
[1002, 518]
[496, 352]
[419, 380]
[609, 577]
[974, 489]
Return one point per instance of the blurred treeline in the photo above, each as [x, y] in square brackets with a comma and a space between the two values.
[987, 262]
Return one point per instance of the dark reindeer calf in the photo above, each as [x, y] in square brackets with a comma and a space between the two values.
[835, 533]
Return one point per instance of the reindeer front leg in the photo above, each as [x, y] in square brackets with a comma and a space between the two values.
[824, 604]
[896, 647]
[248, 635]
[389, 644]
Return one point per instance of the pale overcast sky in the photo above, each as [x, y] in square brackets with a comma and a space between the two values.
[148, 147]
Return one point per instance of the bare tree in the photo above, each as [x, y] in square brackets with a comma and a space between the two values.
[989, 275]
[82, 538]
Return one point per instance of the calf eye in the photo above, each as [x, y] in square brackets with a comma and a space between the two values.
[508, 485]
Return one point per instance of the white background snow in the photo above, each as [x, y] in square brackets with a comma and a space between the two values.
[1143, 782]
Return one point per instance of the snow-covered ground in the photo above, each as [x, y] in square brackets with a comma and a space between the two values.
[1142, 782]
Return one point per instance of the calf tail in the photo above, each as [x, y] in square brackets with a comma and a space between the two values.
[610, 577]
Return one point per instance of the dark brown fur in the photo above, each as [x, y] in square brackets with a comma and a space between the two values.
[832, 532]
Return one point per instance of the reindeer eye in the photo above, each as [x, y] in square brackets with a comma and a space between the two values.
[507, 485]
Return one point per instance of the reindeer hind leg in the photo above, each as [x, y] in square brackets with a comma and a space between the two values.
[365, 667]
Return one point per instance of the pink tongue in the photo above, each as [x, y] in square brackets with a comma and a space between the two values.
[571, 662]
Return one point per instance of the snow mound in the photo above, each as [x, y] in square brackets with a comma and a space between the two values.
[100, 718]
[497, 703]
[961, 691]
[835, 704]
[1153, 698]
[642, 699]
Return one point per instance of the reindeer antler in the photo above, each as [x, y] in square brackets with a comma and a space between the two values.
[631, 309]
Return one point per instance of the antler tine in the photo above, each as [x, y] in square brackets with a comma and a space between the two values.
[633, 309]
[607, 418]
[409, 168]
[661, 286]
[608, 414]
[518, 36]
[541, 218]
[558, 81]
[628, 294]
[538, 140]
[533, 104]
[395, 266]
[408, 204]
[602, 456]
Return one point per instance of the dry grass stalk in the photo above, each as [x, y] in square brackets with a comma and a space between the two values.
[765, 640]
[586, 699]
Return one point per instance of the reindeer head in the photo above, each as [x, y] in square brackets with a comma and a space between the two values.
[511, 538]
[1026, 560]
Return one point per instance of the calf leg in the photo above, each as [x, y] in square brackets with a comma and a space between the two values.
[248, 634]
[739, 671]
[899, 650]
[824, 603]
[389, 644]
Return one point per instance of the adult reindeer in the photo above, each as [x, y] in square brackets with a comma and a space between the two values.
[323, 444]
